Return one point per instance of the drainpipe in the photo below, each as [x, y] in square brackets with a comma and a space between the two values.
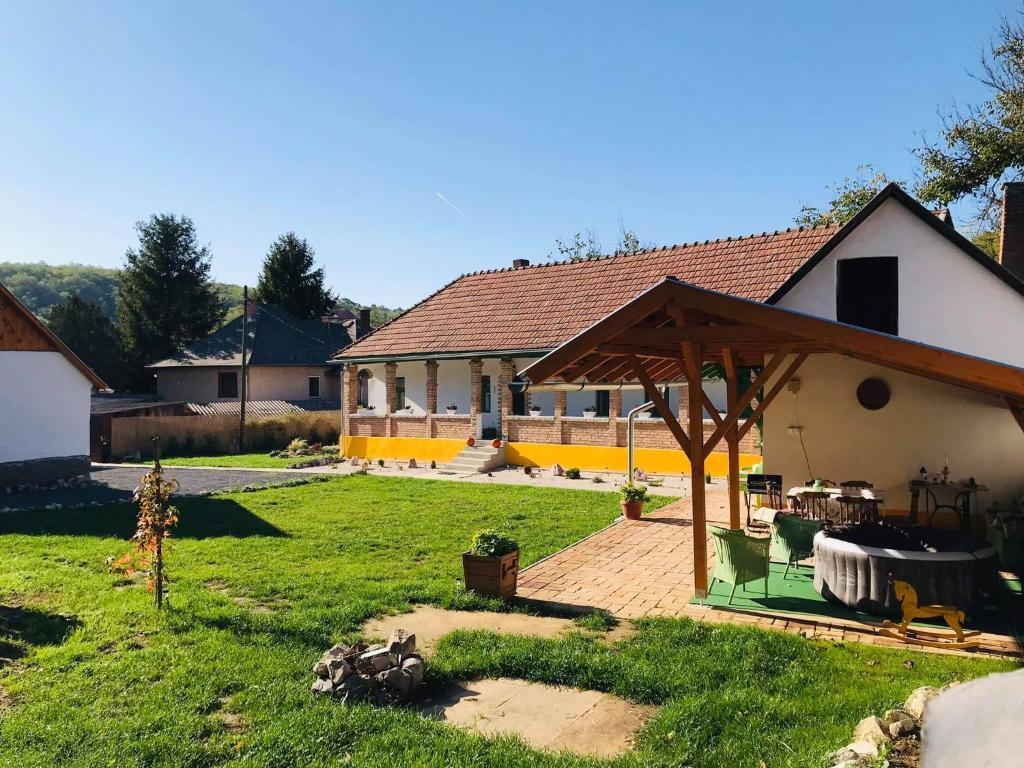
[630, 417]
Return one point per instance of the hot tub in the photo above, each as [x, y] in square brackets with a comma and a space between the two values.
[943, 566]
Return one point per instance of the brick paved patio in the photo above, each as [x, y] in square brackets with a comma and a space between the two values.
[645, 568]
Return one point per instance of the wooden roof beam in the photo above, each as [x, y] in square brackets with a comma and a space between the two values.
[771, 393]
[659, 402]
[732, 417]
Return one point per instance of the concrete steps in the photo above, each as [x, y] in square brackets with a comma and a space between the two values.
[478, 458]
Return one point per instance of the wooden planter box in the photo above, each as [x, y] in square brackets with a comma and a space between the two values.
[491, 575]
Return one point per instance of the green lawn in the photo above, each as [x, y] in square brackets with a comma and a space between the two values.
[257, 460]
[263, 582]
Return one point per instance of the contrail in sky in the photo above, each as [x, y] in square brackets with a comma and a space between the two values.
[453, 205]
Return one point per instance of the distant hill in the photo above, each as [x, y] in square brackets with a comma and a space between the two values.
[41, 286]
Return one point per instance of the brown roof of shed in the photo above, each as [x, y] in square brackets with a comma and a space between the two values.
[539, 307]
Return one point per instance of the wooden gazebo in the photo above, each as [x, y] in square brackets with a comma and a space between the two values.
[669, 332]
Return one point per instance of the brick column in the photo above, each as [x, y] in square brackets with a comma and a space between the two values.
[559, 413]
[476, 368]
[505, 375]
[614, 414]
[350, 388]
[349, 397]
[390, 374]
[431, 386]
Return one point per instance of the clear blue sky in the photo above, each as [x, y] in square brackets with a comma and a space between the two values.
[346, 122]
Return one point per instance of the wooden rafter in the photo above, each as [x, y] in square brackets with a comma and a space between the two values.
[705, 334]
[659, 402]
[771, 393]
[732, 417]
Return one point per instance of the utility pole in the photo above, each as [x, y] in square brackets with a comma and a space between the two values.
[242, 387]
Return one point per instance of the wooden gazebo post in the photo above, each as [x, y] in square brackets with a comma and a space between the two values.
[732, 439]
[694, 359]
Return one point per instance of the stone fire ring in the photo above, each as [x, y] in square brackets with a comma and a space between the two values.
[858, 576]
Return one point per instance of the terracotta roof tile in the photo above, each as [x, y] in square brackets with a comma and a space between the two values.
[539, 307]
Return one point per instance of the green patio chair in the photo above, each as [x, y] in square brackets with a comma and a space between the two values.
[739, 559]
[793, 539]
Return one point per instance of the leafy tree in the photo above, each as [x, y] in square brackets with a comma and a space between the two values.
[290, 280]
[166, 300]
[84, 327]
[584, 246]
[43, 286]
[988, 241]
[982, 146]
[849, 196]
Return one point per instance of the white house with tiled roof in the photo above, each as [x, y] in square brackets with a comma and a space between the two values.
[895, 267]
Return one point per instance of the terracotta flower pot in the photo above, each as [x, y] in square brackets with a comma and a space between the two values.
[491, 575]
[496, 443]
[632, 509]
[470, 441]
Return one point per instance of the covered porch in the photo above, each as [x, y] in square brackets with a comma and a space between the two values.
[672, 330]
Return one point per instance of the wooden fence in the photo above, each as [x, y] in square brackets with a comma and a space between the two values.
[182, 435]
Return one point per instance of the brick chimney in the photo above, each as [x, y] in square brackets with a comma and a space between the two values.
[1011, 240]
[363, 323]
[520, 263]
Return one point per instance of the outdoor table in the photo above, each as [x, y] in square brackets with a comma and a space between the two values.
[965, 499]
[834, 493]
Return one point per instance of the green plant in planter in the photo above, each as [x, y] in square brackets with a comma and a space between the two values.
[492, 543]
[573, 473]
[632, 493]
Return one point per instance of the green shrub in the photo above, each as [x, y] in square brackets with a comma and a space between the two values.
[492, 543]
[298, 444]
[380, 462]
[631, 493]
[597, 479]
[572, 473]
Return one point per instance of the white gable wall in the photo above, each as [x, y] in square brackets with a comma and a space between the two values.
[946, 299]
[45, 408]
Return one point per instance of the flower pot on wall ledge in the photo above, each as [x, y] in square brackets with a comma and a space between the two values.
[494, 576]
[589, 414]
[535, 412]
[451, 411]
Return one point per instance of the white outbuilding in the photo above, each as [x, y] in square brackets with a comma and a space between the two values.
[44, 401]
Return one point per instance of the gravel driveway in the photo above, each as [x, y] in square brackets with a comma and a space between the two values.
[121, 481]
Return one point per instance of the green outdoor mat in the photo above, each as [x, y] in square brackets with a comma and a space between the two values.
[796, 594]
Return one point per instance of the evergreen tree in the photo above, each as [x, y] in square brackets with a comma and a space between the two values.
[166, 300]
[84, 327]
[290, 280]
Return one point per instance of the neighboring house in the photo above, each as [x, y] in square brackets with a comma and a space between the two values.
[896, 267]
[287, 359]
[44, 409]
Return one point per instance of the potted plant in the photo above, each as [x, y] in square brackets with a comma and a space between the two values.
[589, 412]
[451, 409]
[535, 410]
[366, 410]
[644, 415]
[491, 566]
[633, 498]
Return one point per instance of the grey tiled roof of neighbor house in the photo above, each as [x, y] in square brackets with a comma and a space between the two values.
[276, 337]
[258, 409]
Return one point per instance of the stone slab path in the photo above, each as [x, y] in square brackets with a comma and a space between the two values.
[430, 624]
[544, 716]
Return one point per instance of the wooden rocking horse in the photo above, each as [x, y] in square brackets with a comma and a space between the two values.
[952, 615]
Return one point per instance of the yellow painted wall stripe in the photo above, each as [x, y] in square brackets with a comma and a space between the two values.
[592, 457]
[659, 461]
